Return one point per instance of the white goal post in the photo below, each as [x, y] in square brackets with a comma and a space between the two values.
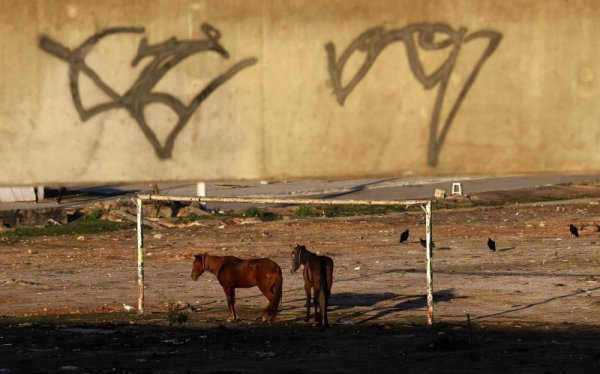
[425, 205]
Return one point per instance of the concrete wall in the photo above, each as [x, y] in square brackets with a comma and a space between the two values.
[139, 90]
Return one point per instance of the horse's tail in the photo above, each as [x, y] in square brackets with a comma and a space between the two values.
[323, 294]
[277, 292]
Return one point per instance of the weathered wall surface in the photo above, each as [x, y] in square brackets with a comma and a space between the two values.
[157, 90]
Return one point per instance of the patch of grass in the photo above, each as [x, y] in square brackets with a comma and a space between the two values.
[94, 214]
[85, 225]
[175, 313]
[306, 211]
[250, 212]
[360, 210]
[261, 214]
[437, 204]
[348, 210]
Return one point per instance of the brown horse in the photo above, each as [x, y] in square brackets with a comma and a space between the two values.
[318, 275]
[233, 272]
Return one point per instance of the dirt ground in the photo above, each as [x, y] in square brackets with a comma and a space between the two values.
[531, 306]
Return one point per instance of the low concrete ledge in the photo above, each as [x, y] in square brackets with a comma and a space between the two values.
[31, 217]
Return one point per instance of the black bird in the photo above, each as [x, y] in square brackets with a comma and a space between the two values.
[424, 243]
[491, 244]
[574, 230]
[404, 237]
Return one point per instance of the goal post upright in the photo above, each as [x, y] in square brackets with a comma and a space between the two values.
[429, 262]
[140, 253]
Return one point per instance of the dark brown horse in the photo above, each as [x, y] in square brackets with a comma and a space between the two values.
[233, 272]
[318, 275]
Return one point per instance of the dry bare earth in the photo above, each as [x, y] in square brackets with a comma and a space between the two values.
[540, 281]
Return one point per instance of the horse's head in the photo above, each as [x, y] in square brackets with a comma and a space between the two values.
[296, 257]
[198, 269]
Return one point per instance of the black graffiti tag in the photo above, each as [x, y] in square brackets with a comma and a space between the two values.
[166, 55]
[372, 42]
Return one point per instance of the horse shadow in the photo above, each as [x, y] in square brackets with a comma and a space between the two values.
[348, 300]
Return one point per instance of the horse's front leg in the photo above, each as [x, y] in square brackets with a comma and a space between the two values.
[230, 294]
[307, 288]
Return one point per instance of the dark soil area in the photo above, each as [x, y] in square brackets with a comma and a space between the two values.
[296, 348]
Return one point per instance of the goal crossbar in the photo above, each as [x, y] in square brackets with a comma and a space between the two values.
[290, 201]
[425, 205]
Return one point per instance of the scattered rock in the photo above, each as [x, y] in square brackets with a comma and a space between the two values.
[166, 224]
[263, 355]
[192, 210]
[195, 223]
[157, 236]
[175, 341]
[246, 221]
[81, 238]
[68, 368]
